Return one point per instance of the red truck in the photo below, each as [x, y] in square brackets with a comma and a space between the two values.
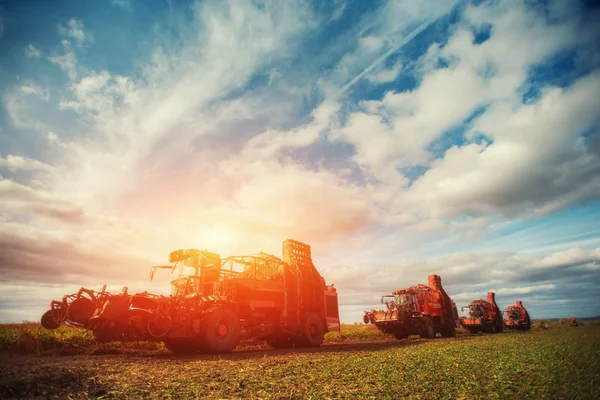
[214, 302]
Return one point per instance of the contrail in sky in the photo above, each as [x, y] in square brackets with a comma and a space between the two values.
[382, 58]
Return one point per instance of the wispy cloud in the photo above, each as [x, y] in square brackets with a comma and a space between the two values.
[32, 52]
[124, 4]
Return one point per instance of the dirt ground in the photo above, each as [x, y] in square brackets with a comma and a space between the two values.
[80, 376]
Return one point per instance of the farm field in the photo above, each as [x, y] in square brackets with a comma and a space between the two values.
[557, 363]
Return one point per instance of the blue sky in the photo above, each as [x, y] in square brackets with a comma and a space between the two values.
[398, 138]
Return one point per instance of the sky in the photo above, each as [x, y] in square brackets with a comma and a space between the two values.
[398, 138]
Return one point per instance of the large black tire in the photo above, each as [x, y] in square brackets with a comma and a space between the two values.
[428, 329]
[220, 331]
[449, 331]
[81, 310]
[49, 320]
[313, 331]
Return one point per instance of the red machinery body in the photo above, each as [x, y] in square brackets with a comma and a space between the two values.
[483, 316]
[213, 305]
[418, 310]
[517, 317]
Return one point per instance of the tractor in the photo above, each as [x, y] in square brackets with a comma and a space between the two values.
[214, 302]
[418, 310]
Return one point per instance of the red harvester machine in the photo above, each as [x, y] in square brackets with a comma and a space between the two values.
[484, 315]
[418, 310]
[517, 317]
[214, 303]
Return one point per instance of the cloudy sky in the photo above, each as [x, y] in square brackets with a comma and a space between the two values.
[398, 138]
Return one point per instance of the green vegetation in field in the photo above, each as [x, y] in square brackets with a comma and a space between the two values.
[560, 363]
[356, 332]
[31, 338]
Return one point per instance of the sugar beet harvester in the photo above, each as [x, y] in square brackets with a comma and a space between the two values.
[418, 310]
[214, 303]
[483, 315]
[517, 317]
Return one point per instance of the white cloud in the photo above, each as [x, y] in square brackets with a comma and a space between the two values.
[536, 162]
[32, 52]
[67, 61]
[124, 4]
[14, 163]
[386, 74]
[75, 31]
[36, 90]
[22, 199]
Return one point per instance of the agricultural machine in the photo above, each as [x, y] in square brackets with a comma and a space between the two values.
[517, 317]
[573, 321]
[418, 310]
[483, 315]
[214, 302]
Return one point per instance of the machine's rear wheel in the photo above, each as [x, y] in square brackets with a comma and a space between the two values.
[49, 320]
[81, 310]
[449, 331]
[220, 331]
[313, 331]
[428, 329]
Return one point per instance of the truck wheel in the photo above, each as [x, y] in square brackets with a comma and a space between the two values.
[49, 321]
[449, 332]
[313, 331]
[428, 330]
[220, 331]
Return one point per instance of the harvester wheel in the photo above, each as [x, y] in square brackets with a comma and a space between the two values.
[81, 310]
[313, 331]
[428, 329]
[49, 321]
[448, 331]
[220, 331]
